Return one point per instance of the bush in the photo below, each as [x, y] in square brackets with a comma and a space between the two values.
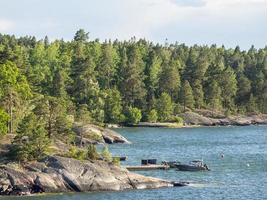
[178, 109]
[177, 119]
[133, 115]
[3, 122]
[76, 153]
[106, 154]
[92, 152]
[152, 116]
[116, 161]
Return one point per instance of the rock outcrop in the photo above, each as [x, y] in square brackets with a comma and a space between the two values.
[58, 174]
[92, 134]
[192, 118]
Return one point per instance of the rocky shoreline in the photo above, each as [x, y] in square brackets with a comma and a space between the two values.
[93, 134]
[194, 119]
[57, 174]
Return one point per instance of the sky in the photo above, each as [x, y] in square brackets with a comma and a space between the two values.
[221, 22]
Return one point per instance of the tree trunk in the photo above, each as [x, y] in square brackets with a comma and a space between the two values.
[10, 111]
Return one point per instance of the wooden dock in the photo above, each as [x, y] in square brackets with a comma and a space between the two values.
[147, 167]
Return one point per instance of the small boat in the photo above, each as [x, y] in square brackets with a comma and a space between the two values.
[195, 165]
[171, 164]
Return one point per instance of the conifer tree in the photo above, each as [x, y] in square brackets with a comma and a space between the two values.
[186, 96]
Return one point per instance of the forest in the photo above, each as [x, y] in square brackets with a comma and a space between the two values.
[46, 86]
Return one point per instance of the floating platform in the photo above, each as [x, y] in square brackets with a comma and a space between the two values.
[147, 167]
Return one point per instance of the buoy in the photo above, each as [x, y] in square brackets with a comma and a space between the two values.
[248, 164]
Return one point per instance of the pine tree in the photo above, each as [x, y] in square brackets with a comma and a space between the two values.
[81, 36]
[14, 89]
[213, 96]
[113, 106]
[132, 85]
[229, 88]
[169, 79]
[252, 105]
[31, 141]
[164, 107]
[106, 68]
[198, 94]
[186, 96]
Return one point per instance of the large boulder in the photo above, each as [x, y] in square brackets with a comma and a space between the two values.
[59, 174]
[191, 118]
[92, 134]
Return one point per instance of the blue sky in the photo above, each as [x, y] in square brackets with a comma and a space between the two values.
[228, 22]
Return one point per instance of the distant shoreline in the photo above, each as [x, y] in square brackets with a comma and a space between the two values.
[192, 120]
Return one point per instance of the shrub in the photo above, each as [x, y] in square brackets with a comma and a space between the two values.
[3, 122]
[177, 119]
[178, 109]
[116, 161]
[152, 116]
[106, 154]
[92, 152]
[133, 115]
[76, 153]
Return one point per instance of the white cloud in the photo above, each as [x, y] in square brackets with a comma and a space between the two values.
[234, 2]
[5, 25]
[138, 18]
[190, 21]
[198, 21]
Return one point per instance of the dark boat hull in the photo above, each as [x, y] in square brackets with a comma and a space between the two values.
[190, 168]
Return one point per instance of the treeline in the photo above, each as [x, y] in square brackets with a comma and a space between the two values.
[123, 81]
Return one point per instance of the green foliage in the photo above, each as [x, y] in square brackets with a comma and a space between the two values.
[229, 88]
[178, 109]
[133, 115]
[52, 111]
[152, 116]
[186, 95]
[92, 152]
[164, 107]
[113, 106]
[76, 153]
[251, 105]
[14, 91]
[99, 81]
[116, 161]
[81, 36]
[198, 94]
[106, 155]
[83, 115]
[169, 79]
[214, 96]
[3, 122]
[31, 141]
[177, 120]
[132, 77]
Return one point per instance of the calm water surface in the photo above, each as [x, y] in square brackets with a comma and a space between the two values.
[241, 174]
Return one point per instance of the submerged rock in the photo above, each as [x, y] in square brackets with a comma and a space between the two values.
[58, 174]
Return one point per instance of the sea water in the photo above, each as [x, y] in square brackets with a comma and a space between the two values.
[241, 173]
